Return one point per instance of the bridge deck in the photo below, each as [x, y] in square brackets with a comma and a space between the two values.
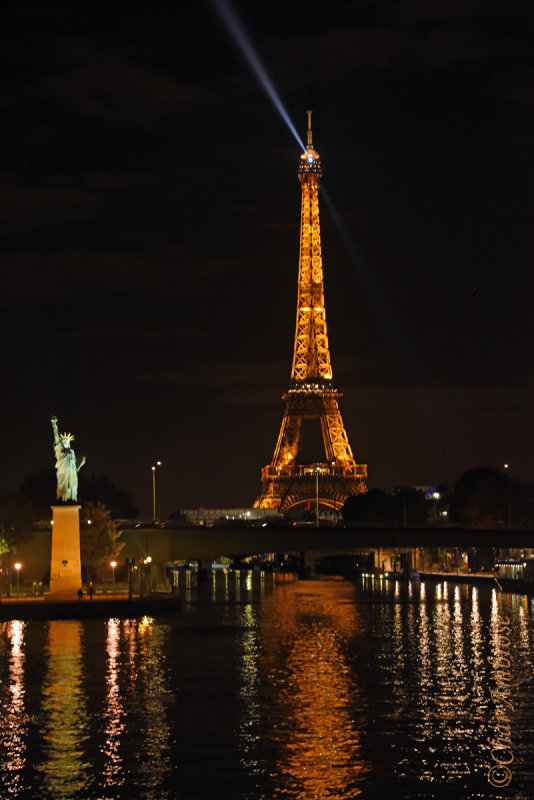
[172, 544]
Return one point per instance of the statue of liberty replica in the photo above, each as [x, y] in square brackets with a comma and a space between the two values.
[67, 467]
[65, 564]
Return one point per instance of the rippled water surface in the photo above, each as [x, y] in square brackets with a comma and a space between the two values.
[311, 689]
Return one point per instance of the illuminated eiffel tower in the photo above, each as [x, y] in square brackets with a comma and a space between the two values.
[285, 482]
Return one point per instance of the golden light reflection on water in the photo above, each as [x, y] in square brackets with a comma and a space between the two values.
[153, 671]
[458, 644]
[444, 654]
[398, 638]
[317, 662]
[425, 670]
[65, 730]
[477, 662]
[249, 689]
[304, 644]
[114, 722]
[13, 728]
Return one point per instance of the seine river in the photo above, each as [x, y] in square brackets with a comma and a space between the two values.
[308, 689]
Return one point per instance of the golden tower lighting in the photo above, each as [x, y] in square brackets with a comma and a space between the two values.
[285, 482]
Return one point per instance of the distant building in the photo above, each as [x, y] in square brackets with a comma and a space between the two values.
[208, 516]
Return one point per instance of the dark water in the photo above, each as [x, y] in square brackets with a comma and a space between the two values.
[315, 689]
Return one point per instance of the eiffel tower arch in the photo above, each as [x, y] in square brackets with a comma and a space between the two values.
[287, 482]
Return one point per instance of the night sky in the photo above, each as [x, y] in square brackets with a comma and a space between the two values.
[150, 231]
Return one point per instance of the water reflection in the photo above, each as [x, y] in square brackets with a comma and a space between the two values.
[249, 736]
[155, 765]
[13, 730]
[314, 692]
[65, 721]
[114, 723]
[476, 661]
[262, 690]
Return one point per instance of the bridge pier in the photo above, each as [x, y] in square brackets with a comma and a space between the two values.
[204, 569]
[309, 561]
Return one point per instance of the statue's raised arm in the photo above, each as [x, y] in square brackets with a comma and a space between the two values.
[54, 428]
[66, 465]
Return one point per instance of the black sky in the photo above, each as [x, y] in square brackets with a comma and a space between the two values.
[150, 233]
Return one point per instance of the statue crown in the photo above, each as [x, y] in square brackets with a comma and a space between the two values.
[66, 436]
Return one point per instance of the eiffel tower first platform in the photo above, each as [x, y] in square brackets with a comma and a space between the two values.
[286, 482]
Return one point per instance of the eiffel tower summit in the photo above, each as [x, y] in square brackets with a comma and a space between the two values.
[288, 481]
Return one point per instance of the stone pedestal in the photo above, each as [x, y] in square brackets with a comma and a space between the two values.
[65, 564]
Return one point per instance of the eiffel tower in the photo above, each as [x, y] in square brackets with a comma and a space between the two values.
[285, 482]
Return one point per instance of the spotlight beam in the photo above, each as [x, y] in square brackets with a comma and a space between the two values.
[234, 26]
[391, 327]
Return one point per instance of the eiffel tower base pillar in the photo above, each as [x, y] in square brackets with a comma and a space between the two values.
[65, 563]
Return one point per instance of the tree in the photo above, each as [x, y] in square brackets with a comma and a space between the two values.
[16, 526]
[99, 488]
[485, 497]
[99, 538]
[481, 498]
[410, 505]
[371, 506]
[16, 520]
[405, 506]
[40, 488]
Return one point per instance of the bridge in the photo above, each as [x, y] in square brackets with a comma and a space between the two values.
[166, 545]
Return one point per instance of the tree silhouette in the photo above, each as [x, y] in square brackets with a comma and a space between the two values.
[40, 488]
[16, 520]
[99, 539]
[480, 498]
[16, 527]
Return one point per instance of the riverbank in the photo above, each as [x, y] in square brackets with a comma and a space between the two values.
[123, 608]
[481, 578]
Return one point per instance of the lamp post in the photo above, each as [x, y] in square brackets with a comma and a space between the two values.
[113, 564]
[506, 466]
[316, 497]
[17, 567]
[154, 467]
[145, 578]
[129, 566]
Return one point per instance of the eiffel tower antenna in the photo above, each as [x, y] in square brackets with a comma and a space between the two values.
[285, 482]
[309, 140]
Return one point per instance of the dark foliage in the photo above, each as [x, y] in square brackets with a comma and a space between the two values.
[16, 520]
[405, 506]
[487, 498]
[40, 488]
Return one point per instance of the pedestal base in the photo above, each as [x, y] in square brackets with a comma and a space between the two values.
[65, 564]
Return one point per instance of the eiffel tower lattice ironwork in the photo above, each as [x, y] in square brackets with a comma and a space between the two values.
[286, 483]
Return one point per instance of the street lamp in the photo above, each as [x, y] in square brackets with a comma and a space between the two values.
[145, 577]
[17, 567]
[316, 497]
[113, 564]
[506, 466]
[154, 467]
